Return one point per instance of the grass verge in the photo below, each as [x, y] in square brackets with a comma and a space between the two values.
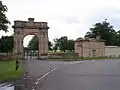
[7, 71]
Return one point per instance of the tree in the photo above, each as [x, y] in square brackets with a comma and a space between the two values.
[6, 44]
[71, 45]
[63, 44]
[3, 19]
[56, 45]
[104, 30]
[118, 38]
[50, 45]
[33, 44]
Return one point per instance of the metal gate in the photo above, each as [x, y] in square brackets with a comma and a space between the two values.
[31, 54]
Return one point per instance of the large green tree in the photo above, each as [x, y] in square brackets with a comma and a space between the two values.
[33, 43]
[63, 44]
[3, 19]
[70, 45]
[105, 30]
[6, 44]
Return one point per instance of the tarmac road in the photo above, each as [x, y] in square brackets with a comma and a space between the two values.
[90, 75]
[37, 69]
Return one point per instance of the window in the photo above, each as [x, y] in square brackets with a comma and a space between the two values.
[93, 52]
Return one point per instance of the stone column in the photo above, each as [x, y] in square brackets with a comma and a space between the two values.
[18, 43]
[46, 43]
[40, 46]
[21, 47]
[43, 46]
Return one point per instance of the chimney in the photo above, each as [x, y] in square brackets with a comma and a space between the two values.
[30, 19]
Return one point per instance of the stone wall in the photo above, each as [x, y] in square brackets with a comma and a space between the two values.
[5, 56]
[112, 51]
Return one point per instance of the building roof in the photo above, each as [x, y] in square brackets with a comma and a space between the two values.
[89, 39]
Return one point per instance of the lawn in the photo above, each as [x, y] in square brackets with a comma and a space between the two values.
[7, 71]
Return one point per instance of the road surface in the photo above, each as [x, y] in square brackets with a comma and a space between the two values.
[37, 69]
[90, 75]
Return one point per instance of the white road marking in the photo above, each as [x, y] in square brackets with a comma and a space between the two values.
[36, 83]
[46, 74]
[74, 62]
[43, 77]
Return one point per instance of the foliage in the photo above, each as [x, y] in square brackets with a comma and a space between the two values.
[63, 44]
[55, 47]
[33, 43]
[105, 31]
[3, 19]
[6, 44]
[50, 45]
[117, 41]
[70, 45]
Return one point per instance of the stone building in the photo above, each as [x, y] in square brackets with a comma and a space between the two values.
[90, 47]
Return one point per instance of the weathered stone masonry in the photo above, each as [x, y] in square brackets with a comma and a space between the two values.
[24, 28]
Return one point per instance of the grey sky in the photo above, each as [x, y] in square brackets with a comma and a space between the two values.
[72, 18]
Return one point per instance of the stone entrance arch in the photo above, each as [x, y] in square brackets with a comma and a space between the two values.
[24, 28]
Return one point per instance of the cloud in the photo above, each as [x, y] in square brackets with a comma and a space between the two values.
[72, 18]
[112, 14]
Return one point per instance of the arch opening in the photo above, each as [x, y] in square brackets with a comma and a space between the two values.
[31, 47]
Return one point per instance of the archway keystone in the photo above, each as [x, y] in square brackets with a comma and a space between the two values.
[23, 28]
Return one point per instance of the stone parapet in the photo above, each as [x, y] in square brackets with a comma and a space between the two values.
[30, 24]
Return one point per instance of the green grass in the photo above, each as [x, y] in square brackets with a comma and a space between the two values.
[7, 71]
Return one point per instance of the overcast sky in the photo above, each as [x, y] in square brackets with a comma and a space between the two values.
[71, 18]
